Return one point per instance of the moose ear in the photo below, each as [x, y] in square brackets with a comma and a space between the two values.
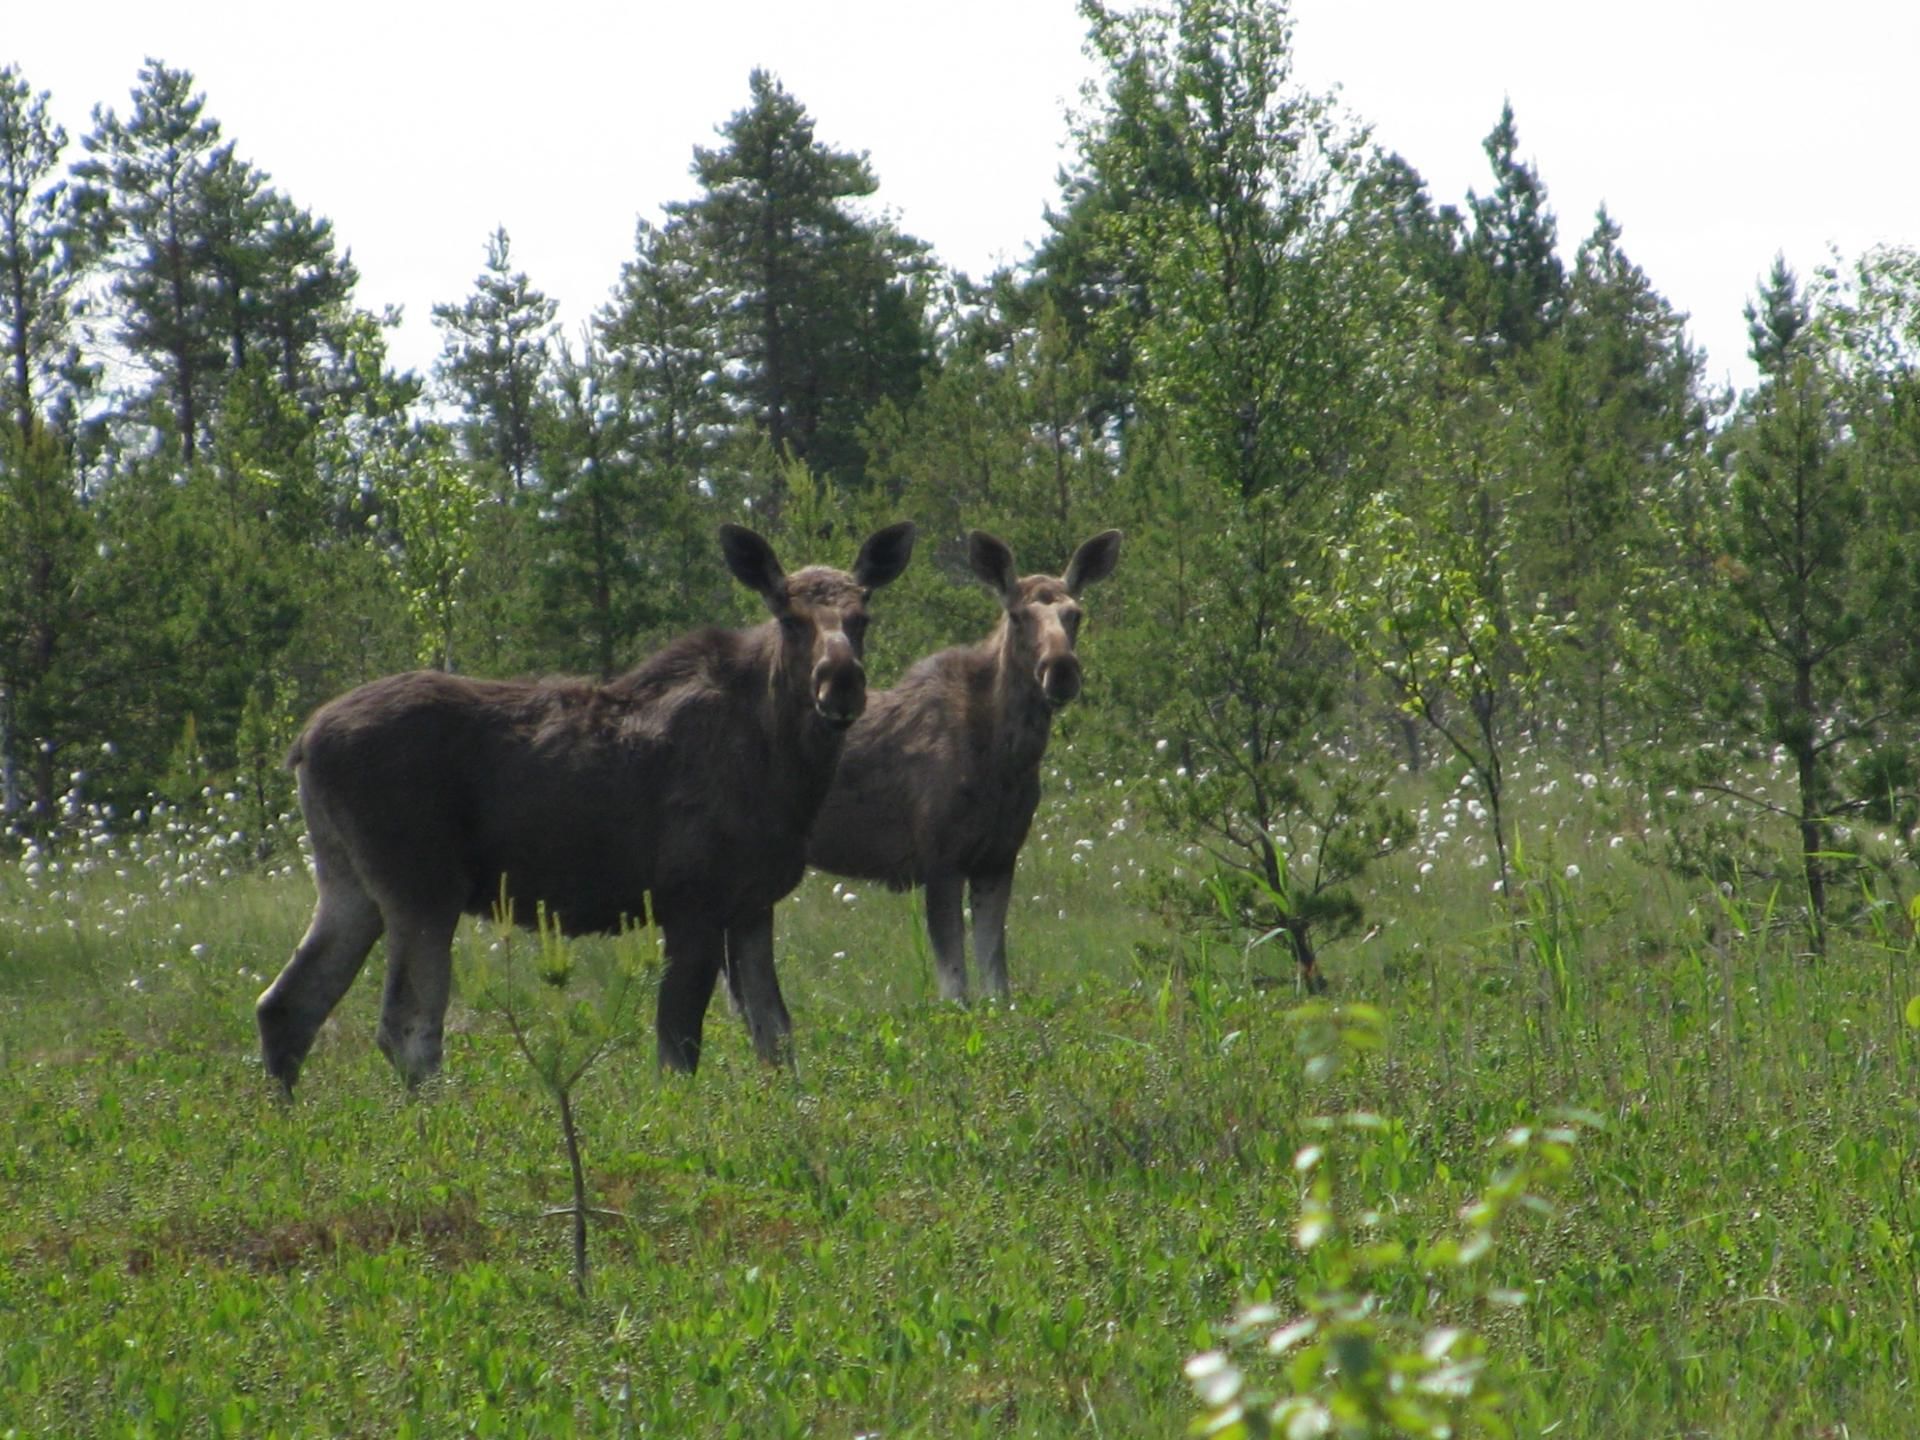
[884, 556]
[1093, 561]
[754, 565]
[991, 560]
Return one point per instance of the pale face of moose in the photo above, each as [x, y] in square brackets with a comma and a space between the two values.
[823, 641]
[823, 625]
[1043, 611]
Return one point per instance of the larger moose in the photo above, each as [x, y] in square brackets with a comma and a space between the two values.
[939, 780]
[688, 784]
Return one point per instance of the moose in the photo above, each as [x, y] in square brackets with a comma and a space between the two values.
[940, 777]
[683, 791]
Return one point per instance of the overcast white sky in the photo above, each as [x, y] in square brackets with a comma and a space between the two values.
[1716, 133]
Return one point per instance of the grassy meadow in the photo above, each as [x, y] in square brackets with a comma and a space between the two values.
[1001, 1221]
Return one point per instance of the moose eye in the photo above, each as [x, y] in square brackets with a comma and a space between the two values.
[856, 627]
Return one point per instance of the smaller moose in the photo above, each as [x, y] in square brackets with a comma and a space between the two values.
[939, 779]
[688, 785]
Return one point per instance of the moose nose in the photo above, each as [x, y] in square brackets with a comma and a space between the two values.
[839, 689]
[1060, 679]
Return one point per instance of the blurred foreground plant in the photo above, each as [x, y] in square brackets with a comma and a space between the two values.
[1344, 1364]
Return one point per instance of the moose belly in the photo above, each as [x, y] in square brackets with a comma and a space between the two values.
[589, 897]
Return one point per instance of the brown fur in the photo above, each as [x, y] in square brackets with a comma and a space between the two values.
[690, 783]
[940, 777]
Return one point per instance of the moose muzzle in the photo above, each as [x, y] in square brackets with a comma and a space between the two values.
[1059, 677]
[839, 683]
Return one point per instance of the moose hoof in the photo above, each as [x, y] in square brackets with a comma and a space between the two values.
[414, 1053]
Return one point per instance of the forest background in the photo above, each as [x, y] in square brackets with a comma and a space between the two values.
[1401, 481]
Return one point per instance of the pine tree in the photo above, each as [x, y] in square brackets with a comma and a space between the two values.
[1520, 282]
[1430, 242]
[824, 313]
[302, 303]
[45, 551]
[44, 531]
[40, 277]
[142, 193]
[210, 265]
[660, 341]
[495, 362]
[1612, 413]
[598, 591]
[1130, 159]
[1777, 321]
[1799, 644]
[661, 335]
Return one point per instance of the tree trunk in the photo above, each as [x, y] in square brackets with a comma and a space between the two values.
[1813, 839]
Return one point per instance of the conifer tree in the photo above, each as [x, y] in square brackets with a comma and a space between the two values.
[45, 551]
[44, 531]
[495, 363]
[1798, 645]
[662, 337]
[1520, 281]
[1613, 415]
[1777, 320]
[1430, 240]
[142, 193]
[824, 312]
[40, 275]
[210, 265]
[599, 589]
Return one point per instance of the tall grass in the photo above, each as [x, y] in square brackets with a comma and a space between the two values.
[1009, 1220]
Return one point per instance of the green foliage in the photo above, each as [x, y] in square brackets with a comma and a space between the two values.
[1789, 643]
[1347, 1364]
[1005, 440]
[1015, 1218]
[210, 266]
[434, 507]
[618, 536]
[45, 552]
[494, 364]
[1252, 328]
[1426, 604]
[1517, 285]
[40, 274]
[828, 312]
[1609, 414]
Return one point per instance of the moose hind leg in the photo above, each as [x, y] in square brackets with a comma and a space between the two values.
[291, 1010]
[756, 988]
[413, 1009]
[946, 931]
[694, 956]
[990, 896]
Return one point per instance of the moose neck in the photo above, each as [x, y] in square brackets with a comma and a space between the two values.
[1024, 719]
[806, 746]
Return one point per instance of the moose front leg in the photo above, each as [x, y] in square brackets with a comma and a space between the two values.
[695, 952]
[990, 896]
[946, 931]
[755, 988]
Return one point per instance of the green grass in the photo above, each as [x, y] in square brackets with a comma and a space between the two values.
[999, 1221]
